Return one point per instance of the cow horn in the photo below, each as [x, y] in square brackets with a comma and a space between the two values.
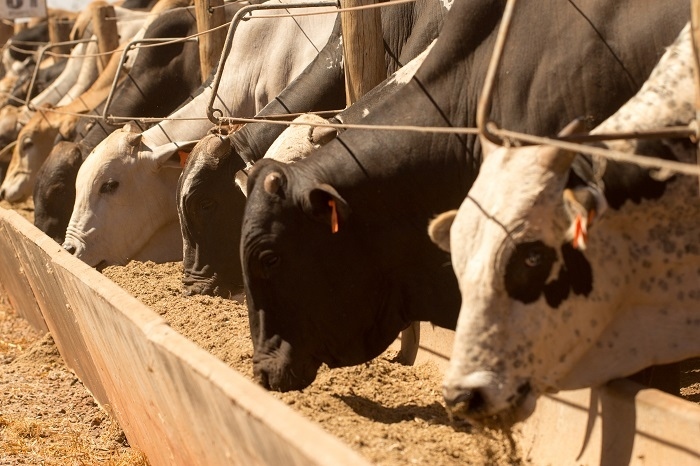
[272, 183]
[556, 159]
[133, 139]
[321, 135]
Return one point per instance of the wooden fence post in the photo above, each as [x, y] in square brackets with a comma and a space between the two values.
[210, 15]
[7, 30]
[105, 28]
[59, 31]
[363, 47]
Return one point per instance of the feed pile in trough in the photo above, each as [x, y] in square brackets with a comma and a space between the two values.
[46, 415]
[391, 414]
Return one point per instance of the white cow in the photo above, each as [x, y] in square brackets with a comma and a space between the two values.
[561, 293]
[125, 191]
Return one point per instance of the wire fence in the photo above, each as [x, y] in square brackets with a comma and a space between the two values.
[690, 131]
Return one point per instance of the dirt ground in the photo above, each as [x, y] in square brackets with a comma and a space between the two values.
[391, 414]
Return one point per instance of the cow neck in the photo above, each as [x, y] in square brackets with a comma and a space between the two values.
[319, 87]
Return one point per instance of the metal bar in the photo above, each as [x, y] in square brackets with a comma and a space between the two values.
[237, 18]
[670, 132]
[40, 58]
[484, 104]
[109, 119]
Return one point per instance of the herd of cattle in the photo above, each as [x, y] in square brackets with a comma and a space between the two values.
[557, 270]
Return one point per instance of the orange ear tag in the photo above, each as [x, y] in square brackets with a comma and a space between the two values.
[183, 157]
[334, 216]
[580, 234]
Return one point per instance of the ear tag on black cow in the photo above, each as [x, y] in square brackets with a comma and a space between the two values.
[580, 233]
[334, 216]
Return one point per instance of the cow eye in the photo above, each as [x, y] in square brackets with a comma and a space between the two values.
[527, 270]
[109, 186]
[533, 258]
[206, 205]
[269, 259]
[27, 143]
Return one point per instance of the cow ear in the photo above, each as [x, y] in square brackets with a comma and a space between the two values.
[487, 146]
[583, 206]
[323, 204]
[557, 160]
[322, 135]
[173, 155]
[439, 229]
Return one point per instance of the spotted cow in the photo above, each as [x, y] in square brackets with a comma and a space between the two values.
[575, 270]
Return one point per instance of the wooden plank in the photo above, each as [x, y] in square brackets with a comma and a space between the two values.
[363, 48]
[104, 27]
[12, 276]
[210, 14]
[7, 30]
[35, 250]
[178, 403]
[621, 423]
[59, 31]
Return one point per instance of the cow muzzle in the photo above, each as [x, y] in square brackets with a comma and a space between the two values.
[281, 369]
[480, 399]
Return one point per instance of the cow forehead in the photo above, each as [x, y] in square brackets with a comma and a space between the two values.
[513, 188]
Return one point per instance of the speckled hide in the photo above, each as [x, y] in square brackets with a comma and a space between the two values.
[575, 271]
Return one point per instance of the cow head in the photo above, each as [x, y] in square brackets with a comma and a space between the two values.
[298, 232]
[554, 297]
[9, 124]
[34, 143]
[210, 207]
[54, 191]
[125, 203]
[211, 199]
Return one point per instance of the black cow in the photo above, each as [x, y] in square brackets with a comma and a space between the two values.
[161, 79]
[210, 206]
[340, 298]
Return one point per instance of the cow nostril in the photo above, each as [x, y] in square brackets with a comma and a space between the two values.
[70, 248]
[2, 194]
[262, 378]
[465, 400]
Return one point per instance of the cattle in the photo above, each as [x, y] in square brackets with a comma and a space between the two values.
[210, 207]
[315, 296]
[173, 66]
[36, 139]
[79, 73]
[12, 118]
[49, 70]
[576, 270]
[18, 54]
[141, 170]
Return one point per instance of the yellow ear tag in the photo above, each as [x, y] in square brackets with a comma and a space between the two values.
[183, 157]
[334, 216]
[580, 234]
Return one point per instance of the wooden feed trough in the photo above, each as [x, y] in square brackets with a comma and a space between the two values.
[182, 406]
